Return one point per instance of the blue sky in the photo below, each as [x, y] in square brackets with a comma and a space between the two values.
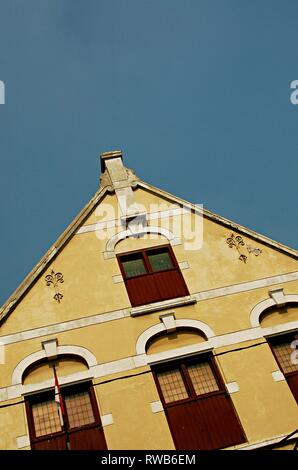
[195, 92]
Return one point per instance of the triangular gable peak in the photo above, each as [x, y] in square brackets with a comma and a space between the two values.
[119, 180]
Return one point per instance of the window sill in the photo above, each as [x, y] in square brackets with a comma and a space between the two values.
[164, 304]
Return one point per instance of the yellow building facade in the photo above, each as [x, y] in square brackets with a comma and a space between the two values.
[167, 326]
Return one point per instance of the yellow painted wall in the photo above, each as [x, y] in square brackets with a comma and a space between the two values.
[86, 272]
[276, 316]
[174, 340]
[256, 401]
[88, 290]
[135, 426]
[12, 424]
[44, 371]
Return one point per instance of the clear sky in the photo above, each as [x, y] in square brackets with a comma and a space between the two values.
[195, 92]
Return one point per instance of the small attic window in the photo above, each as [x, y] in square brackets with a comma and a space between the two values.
[152, 275]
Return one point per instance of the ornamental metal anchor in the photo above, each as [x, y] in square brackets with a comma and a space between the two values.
[238, 242]
[54, 279]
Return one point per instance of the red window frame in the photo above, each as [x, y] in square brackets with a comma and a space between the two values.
[182, 366]
[205, 421]
[137, 283]
[65, 391]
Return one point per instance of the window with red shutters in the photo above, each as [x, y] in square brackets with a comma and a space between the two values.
[285, 350]
[198, 408]
[81, 430]
[152, 275]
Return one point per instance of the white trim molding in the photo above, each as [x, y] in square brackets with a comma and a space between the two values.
[142, 359]
[246, 286]
[126, 312]
[162, 305]
[183, 265]
[117, 278]
[51, 348]
[267, 303]
[232, 387]
[107, 420]
[278, 329]
[169, 321]
[265, 443]
[111, 223]
[64, 326]
[23, 441]
[277, 376]
[50, 383]
[19, 370]
[160, 328]
[79, 351]
[278, 296]
[156, 406]
[115, 239]
[178, 353]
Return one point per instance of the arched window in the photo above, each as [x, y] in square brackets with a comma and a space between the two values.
[64, 416]
[197, 405]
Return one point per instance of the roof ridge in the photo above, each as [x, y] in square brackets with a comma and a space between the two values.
[50, 253]
[223, 220]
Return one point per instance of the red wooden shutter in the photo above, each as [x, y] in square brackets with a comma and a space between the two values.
[83, 425]
[152, 275]
[199, 410]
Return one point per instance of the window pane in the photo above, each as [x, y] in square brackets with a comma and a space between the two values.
[160, 260]
[283, 352]
[172, 385]
[79, 409]
[46, 418]
[134, 266]
[202, 378]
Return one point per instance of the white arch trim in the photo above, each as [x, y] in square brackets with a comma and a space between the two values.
[159, 328]
[264, 305]
[37, 356]
[112, 242]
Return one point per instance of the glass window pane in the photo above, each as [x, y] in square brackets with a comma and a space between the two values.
[46, 418]
[172, 385]
[79, 409]
[284, 354]
[134, 266]
[202, 378]
[160, 260]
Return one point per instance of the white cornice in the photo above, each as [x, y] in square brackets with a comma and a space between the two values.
[126, 312]
[86, 211]
[139, 360]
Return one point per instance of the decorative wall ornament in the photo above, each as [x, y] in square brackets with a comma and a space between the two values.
[58, 297]
[254, 251]
[54, 279]
[238, 242]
